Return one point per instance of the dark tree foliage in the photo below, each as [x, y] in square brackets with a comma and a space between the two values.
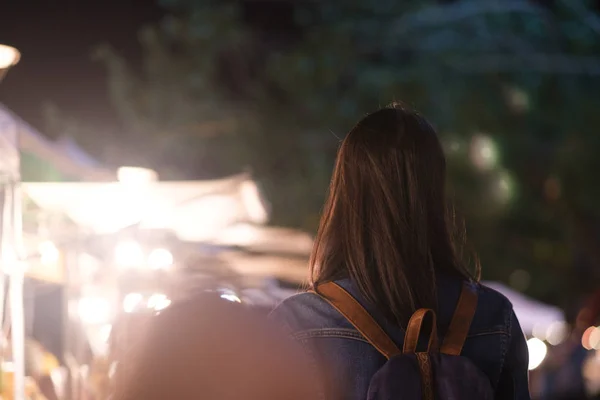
[513, 87]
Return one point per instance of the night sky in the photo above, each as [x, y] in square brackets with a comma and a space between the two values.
[56, 43]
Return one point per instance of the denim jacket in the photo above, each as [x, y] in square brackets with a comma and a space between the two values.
[342, 357]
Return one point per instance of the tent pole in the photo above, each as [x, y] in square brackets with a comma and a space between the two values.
[16, 279]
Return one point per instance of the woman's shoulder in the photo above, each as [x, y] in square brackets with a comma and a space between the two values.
[297, 309]
[493, 308]
[306, 311]
[296, 304]
[494, 311]
[489, 294]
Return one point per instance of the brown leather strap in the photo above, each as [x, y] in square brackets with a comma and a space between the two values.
[413, 330]
[461, 321]
[424, 361]
[359, 317]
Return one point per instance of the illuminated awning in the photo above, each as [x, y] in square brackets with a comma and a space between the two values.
[194, 210]
[266, 239]
[269, 251]
[532, 314]
[292, 269]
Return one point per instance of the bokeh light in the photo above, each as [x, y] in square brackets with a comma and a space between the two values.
[131, 302]
[129, 254]
[94, 310]
[160, 259]
[537, 352]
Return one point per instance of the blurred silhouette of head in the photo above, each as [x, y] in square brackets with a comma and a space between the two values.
[386, 223]
[208, 348]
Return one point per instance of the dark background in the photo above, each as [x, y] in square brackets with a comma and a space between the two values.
[56, 44]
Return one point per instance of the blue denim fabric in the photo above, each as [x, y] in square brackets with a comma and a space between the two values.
[495, 344]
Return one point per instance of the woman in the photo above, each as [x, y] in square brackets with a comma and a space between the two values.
[209, 348]
[385, 237]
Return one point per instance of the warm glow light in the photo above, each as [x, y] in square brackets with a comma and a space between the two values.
[252, 200]
[129, 254]
[505, 187]
[207, 217]
[8, 366]
[239, 235]
[58, 377]
[94, 310]
[591, 374]
[537, 352]
[557, 333]
[136, 176]
[540, 331]
[231, 297]
[105, 332]
[585, 338]
[160, 259]
[484, 153]
[131, 302]
[594, 340]
[49, 253]
[112, 368]
[10, 260]
[9, 56]
[158, 302]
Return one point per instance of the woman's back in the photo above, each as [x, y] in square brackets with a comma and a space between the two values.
[495, 343]
[389, 238]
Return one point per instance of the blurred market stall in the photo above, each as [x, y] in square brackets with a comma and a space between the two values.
[101, 246]
[131, 244]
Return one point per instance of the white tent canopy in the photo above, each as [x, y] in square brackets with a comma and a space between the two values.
[267, 239]
[194, 210]
[267, 266]
[532, 314]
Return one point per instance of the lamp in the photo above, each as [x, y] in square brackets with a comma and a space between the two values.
[136, 176]
[9, 56]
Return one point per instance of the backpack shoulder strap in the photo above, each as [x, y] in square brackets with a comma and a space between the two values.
[414, 331]
[360, 318]
[461, 321]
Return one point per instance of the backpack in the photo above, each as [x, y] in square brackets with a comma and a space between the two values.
[438, 373]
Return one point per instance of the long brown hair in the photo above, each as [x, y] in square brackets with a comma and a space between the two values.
[386, 223]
